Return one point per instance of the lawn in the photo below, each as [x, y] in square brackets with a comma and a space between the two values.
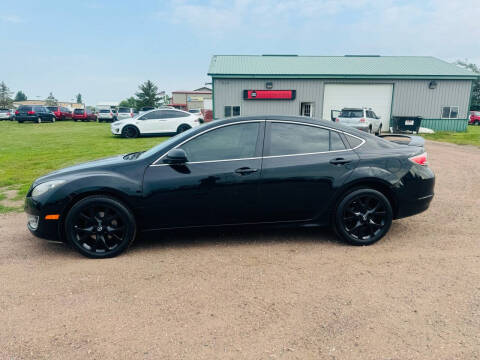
[471, 137]
[29, 150]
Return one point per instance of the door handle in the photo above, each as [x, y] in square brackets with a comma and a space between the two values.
[340, 161]
[245, 170]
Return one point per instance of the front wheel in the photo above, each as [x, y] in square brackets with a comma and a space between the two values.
[100, 227]
[130, 132]
[363, 217]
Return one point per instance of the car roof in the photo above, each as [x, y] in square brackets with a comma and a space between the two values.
[298, 119]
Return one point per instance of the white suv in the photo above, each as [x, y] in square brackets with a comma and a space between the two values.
[361, 119]
[106, 115]
[158, 121]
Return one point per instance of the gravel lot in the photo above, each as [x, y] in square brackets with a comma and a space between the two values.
[277, 294]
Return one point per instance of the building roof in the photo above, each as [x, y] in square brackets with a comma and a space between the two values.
[348, 66]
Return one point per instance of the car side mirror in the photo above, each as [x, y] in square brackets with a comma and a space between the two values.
[175, 157]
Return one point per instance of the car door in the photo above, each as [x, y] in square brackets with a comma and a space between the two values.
[302, 167]
[149, 123]
[218, 184]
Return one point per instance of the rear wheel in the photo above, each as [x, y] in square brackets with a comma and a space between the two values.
[182, 128]
[130, 132]
[363, 217]
[100, 227]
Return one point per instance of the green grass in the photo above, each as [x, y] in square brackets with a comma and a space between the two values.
[471, 137]
[29, 150]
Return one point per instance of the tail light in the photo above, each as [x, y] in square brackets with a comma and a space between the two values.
[31, 112]
[362, 120]
[337, 120]
[420, 159]
[17, 112]
[131, 114]
[8, 113]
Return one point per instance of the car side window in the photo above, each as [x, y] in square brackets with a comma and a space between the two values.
[152, 115]
[229, 142]
[336, 142]
[291, 139]
[169, 114]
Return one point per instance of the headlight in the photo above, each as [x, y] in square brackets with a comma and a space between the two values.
[46, 186]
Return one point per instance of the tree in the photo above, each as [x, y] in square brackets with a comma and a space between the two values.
[20, 96]
[148, 95]
[475, 103]
[79, 98]
[130, 103]
[50, 100]
[5, 96]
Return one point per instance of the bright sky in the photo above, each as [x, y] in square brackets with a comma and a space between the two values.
[105, 49]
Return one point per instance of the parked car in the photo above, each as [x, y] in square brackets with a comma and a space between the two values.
[125, 113]
[60, 112]
[5, 114]
[36, 113]
[243, 170]
[84, 115]
[361, 119]
[107, 115]
[474, 118]
[159, 121]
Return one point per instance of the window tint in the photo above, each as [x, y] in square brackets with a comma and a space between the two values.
[170, 114]
[228, 142]
[78, 111]
[123, 110]
[288, 139]
[353, 141]
[24, 108]
[152, 115]
[370, 114]
[336, 142]
[351, 113]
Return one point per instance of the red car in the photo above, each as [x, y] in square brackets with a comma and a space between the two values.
[83, 115]
[60, 112]
[474, 118]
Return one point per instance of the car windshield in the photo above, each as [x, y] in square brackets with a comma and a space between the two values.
[78, 111]
[123, 110]
[104, 111]
[351, 113]
[165, 144]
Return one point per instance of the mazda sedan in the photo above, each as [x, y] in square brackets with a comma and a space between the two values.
[273, 170]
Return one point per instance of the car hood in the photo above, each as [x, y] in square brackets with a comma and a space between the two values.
[95, 165]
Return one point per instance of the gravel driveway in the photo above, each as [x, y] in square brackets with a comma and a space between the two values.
[274, 294]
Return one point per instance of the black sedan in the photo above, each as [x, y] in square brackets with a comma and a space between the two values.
[273, 170]
[35, 113]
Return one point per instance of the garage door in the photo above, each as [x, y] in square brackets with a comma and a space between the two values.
[375, 96]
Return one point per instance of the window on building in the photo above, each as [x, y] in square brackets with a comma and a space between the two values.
[232, 111]
[450, 112]
[306, 109]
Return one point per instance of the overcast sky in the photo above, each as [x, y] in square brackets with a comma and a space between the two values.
[105, 49]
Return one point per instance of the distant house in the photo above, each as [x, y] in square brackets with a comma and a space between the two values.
[186, 100]
[67, 104]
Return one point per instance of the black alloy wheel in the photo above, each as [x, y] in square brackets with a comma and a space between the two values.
[363, 217]
[100, 227]
[130, 132]
[182, 128]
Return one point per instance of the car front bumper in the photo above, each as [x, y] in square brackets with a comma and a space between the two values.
[44, 228]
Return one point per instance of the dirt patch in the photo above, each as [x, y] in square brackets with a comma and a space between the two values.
[8, 198]
[270, 294]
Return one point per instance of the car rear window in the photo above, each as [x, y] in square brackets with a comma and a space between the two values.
[104, 111]
[351, 113]
[123, 110]
[25, 108]
[78, 111]
[4, 111]
[52, 108]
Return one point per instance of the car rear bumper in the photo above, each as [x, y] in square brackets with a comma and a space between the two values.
[26, 117]
[417, 193]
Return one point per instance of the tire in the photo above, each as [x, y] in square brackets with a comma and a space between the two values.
[53, 119]
[182, 128]
[363, 216]
[39, 120]
[99, 227]
[370, 129]
[20, 121]
[477, 123]
[130, 132]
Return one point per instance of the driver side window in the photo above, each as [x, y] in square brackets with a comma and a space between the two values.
[237, 141]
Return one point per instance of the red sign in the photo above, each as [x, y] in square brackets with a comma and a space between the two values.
[269, 94]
